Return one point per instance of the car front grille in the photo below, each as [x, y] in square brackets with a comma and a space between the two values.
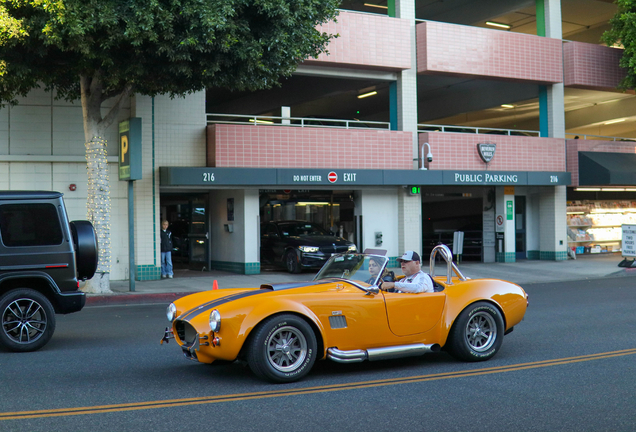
[185, 331]
[334, 249]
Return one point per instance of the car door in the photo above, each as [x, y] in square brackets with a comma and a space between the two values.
[410, 314]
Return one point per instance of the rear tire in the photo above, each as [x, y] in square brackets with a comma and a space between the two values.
[27, 320]
[282, 349]
[477, 333]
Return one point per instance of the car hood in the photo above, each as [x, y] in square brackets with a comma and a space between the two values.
[317, 240]
[193, 305]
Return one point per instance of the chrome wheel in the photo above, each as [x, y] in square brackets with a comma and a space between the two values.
[286, 349]
[24, 321]
[481, 331]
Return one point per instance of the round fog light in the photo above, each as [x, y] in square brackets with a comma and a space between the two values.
[215, 321]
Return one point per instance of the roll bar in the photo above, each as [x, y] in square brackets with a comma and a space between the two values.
[446, 253]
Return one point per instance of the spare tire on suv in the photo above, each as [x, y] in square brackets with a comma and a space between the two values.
[43, 257]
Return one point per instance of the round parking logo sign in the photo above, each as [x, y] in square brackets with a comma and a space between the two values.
[332, 177]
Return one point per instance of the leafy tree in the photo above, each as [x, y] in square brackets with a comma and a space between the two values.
[623, 31]
[96, 50]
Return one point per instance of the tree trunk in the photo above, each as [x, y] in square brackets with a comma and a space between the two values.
[98, 200]
[98, 211]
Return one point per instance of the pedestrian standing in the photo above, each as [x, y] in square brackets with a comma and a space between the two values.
[166, 251]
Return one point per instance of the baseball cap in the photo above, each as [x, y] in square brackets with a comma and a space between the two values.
[409, 256]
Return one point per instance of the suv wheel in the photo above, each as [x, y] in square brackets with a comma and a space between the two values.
[27, 319]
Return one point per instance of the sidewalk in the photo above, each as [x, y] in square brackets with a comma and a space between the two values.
[522, 272]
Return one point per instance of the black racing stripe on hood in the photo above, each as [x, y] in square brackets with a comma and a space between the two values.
[290, 285]
[285, 285]
[214, 303]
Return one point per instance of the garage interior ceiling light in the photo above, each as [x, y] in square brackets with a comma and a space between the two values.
[587, 189]
[314, 203]
[507, 106]
[363, 95]
[496, 24]
[614, 121]
[376, 6]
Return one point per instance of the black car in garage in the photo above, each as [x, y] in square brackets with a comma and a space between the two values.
[298, 245]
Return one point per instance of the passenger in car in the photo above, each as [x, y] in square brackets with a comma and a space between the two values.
[375, 264]
[416, 281]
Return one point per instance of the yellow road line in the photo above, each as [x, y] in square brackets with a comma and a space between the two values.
[307, 390]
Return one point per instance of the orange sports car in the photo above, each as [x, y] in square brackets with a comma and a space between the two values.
[344, 315]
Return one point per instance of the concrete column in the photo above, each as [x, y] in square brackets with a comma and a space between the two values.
[409, 207]
[551, 99]
[409, 222]
[505, 223]
[367, 202]
[407, 80]
[553, 233]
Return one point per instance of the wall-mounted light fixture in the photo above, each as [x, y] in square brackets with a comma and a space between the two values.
[499, 25]
[363, 95]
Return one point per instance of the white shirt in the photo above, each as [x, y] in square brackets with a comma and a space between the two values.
[416, 283]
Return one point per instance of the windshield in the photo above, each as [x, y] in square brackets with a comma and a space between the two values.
[301, 228]
[354, 267]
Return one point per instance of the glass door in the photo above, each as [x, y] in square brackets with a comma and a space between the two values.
[520, 227]
[199, 234]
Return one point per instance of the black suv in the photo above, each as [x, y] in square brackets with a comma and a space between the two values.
[43, 257]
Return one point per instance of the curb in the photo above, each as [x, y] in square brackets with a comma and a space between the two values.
[134, 299]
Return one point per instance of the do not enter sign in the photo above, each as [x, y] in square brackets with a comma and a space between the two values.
[332, 177]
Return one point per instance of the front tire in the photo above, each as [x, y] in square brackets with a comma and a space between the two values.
[27, 320]
[282, 349]
[291, 262]
[478, 333]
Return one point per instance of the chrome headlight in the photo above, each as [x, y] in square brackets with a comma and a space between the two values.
[309, 248]
[171, 312]
[215, 321]
[352, 248]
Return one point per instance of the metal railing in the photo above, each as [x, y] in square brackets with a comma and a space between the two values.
[512, 132]
[475, 130]
[598, 137]
[256, 120]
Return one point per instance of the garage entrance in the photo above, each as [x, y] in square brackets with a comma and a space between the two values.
[331, 209]
[445, 213]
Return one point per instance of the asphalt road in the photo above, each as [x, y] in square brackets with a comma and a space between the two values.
[570, 366]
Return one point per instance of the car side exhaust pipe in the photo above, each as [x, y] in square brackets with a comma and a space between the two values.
[375, 354]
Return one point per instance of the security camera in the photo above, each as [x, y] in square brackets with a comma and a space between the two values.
[429, 155]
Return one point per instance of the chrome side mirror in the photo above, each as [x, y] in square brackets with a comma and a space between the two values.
[373, 290]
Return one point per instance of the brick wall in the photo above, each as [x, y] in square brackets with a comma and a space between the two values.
[591, 66]
[265, 146]
[458, 151]
[367, 40]
[452, 49]
[574, 146]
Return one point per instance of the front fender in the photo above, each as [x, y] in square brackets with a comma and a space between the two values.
[280, 306]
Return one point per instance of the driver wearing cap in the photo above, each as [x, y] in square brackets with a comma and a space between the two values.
[415, 281]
